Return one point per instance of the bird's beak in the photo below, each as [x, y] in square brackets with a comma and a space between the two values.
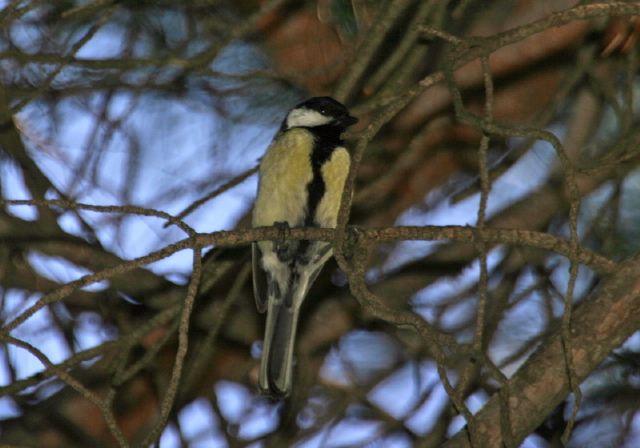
[348, 121]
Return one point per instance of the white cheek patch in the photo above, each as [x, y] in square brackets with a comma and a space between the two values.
[306, 117]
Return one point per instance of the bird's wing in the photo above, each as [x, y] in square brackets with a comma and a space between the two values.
[260, 286]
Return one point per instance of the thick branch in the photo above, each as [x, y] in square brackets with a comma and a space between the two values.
[600, 324]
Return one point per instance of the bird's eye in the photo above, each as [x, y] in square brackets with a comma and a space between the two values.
[323, 111]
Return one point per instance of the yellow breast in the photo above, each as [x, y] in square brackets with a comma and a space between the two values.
[285, 172]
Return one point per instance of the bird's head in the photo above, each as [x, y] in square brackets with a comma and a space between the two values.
[319, 111]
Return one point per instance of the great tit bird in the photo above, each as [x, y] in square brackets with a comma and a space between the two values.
[302, 177]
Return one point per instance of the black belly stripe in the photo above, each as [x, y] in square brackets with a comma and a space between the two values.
[315, 189]
[326, 140]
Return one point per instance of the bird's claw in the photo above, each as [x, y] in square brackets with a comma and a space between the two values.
[354, 234]
[281, 245]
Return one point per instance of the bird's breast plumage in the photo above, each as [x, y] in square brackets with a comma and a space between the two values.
[334, 174]
[282, 194]
[285, 188]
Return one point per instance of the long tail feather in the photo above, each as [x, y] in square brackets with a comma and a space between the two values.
[277, 355]
[283, 307]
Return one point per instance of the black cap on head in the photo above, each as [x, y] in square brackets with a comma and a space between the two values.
[331, 108]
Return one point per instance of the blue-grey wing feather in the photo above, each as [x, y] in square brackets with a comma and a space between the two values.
[260, 281]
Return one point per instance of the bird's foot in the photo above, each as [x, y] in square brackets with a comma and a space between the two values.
[282, 246]
[354, 234]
